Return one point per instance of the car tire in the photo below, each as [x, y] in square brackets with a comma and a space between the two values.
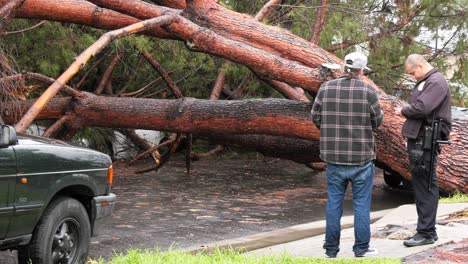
[392, 180]
[61, 236]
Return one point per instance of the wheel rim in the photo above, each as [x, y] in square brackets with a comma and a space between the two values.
[65, 242]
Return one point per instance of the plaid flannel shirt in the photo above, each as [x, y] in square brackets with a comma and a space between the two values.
[346, 111]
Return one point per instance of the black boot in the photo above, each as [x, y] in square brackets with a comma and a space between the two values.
[419, 240]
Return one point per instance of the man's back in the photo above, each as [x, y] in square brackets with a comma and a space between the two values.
[346, 110]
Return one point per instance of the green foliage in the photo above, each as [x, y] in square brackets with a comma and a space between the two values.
[354, 21]
[228, 257]
[96, 138]
[244, 6]
[50, 48]
[192, 72]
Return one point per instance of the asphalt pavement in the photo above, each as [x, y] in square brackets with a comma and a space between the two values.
[221, 199]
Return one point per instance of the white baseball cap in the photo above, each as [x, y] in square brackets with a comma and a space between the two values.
[356, 60]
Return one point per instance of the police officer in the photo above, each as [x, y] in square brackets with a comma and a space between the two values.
[429, 101]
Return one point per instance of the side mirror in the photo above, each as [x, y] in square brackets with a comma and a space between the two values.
[7, 136]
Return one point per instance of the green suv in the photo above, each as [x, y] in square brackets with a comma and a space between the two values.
[53, 197]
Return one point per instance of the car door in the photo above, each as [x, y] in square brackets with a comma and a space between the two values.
[7, 186]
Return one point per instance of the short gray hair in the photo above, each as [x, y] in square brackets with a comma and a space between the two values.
[415, 59]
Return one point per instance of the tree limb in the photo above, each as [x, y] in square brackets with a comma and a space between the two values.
[81, 60]
[175, 90]
[220, 79]
[106, 77]
[319, 22]
[42, 78]
[7, 13]
[23, 30]
[50, 130]
[267, 10]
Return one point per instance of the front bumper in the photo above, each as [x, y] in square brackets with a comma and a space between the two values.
[103, 206]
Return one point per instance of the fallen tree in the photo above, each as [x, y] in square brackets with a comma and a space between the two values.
[262, 124]
[271, 53]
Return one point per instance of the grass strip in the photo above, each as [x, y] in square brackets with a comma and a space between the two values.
[136, 256]
[457, 197]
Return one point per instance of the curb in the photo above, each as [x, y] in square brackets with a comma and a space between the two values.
[279, 236]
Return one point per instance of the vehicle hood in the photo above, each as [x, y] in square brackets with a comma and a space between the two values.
[43, 154]
[26, 139]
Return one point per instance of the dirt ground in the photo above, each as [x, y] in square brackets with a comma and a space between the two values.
[220, 199]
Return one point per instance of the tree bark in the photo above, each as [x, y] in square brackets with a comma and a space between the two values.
[237, 93]
[142, 144]
[41, 78]
[62, 120]
[261, 117]
[106, 77]
[298, 150]
[170, 83]
[165, 156]
[319, 22]
[84, 13]
[267, 10]
[241, 39]
[154, 149]
[179, 4]
[269, 51]
[286, 90]
[219, 83]
[7, 13]
[215, 150]
[261, 50]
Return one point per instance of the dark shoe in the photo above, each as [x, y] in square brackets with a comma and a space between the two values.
[435, 237]
[419, 240]
[369, 252]
[330, 255]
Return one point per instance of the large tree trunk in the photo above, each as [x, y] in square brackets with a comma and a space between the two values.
[277, 117]
[84, 13]
[262, 124]
[295, 149]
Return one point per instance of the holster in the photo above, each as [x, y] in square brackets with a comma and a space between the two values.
[417, 162]
[422, 155]
[420, 158]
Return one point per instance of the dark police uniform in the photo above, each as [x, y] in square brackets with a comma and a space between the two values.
[429, 101]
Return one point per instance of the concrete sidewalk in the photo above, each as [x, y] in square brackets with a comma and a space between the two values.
[404, 216]
[280, 236]
[307, 239]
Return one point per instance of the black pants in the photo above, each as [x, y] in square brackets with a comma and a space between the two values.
[426, 201]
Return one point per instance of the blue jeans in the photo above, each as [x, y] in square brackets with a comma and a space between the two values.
[361, 178]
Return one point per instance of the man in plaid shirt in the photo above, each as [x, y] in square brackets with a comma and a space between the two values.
[347, 110]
